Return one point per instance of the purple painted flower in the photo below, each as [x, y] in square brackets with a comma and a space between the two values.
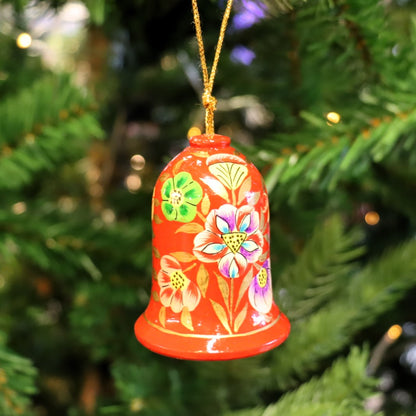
[232, 238]
[248, 13]
[260, 292]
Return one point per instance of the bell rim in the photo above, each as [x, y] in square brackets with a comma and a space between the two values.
[201, 348]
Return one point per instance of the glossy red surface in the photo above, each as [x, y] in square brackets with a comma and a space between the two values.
[211, 296]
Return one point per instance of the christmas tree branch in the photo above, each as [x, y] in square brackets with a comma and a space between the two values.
[323, 266]
[17, 383]
[40, 129]
[370, 293]
[342, 389]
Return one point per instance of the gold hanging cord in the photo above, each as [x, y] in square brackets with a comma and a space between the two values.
[208, 100]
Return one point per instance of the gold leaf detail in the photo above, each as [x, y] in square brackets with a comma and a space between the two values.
[156, 252]
[190, 228]
[230, 174]
[253, 198]
[177, 167]
[244, 286]
[162, 316]
[245, 188]
[205, 205]
[155, 296]
[263, 257]
[164, 176]
[240, 318]
[216, 186]
[183, 256]
[156, 202]
[225, 290]
[222, 316]
[200, 153]
[202, 278]
[157, 219]
[186, 319]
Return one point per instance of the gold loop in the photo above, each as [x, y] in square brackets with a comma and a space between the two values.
[209, 102]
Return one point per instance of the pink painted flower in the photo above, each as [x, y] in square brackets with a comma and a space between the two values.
[260, 292]
[176, 290]
[231, 238]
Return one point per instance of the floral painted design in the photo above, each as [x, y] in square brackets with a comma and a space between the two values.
[180, 197]
[231, 238]
[260, 291]
[229, 169]
[176, 290]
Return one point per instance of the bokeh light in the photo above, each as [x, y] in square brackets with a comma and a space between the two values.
[372, 218]
[394, 332]
[19, 208]
[24, 40]
[194, 131]
[137, 162]
[333, 117]
[133, 183]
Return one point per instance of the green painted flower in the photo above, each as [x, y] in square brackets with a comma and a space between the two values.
[180, 196]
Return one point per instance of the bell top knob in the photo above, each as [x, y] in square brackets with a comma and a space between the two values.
[215, 141]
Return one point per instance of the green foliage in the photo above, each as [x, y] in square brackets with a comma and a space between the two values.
[97, 10]
[369, 293]
[339, 391]
[17, 382]
[72, 282]
[320, 155]
[321, 269]
[37, 126]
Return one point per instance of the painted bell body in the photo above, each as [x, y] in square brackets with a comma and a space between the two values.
[211, 296]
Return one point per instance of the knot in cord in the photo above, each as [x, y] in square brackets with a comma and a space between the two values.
[209, 101]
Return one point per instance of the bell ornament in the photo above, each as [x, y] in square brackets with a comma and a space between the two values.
[211, 296]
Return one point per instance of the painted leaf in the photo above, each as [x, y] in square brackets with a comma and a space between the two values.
[225, 290]
[202, 279]
[164, 176]
[244, 286]
[230, 174]
[183, 256]
[262, 224]
[244, 190]
[222, 315]
[190, 228]
[156, 252]
[156, 202]
[216, 186]
[162, 316]
[253, 198]
[263, 257]
[240, 318]
[186, 319]
[206, 204]
[200, 153]
[157, 219]
[155, 296]
[177, 167]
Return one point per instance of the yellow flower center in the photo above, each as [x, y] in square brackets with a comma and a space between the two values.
[177, 279]
[176, 197]
[234, 240]
[262, 278]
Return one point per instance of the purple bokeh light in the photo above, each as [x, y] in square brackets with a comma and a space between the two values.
[248, 12]
[242, 55]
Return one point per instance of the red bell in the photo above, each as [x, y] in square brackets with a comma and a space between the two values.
[212, 290]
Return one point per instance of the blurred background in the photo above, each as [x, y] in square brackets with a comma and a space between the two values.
[97, 96]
